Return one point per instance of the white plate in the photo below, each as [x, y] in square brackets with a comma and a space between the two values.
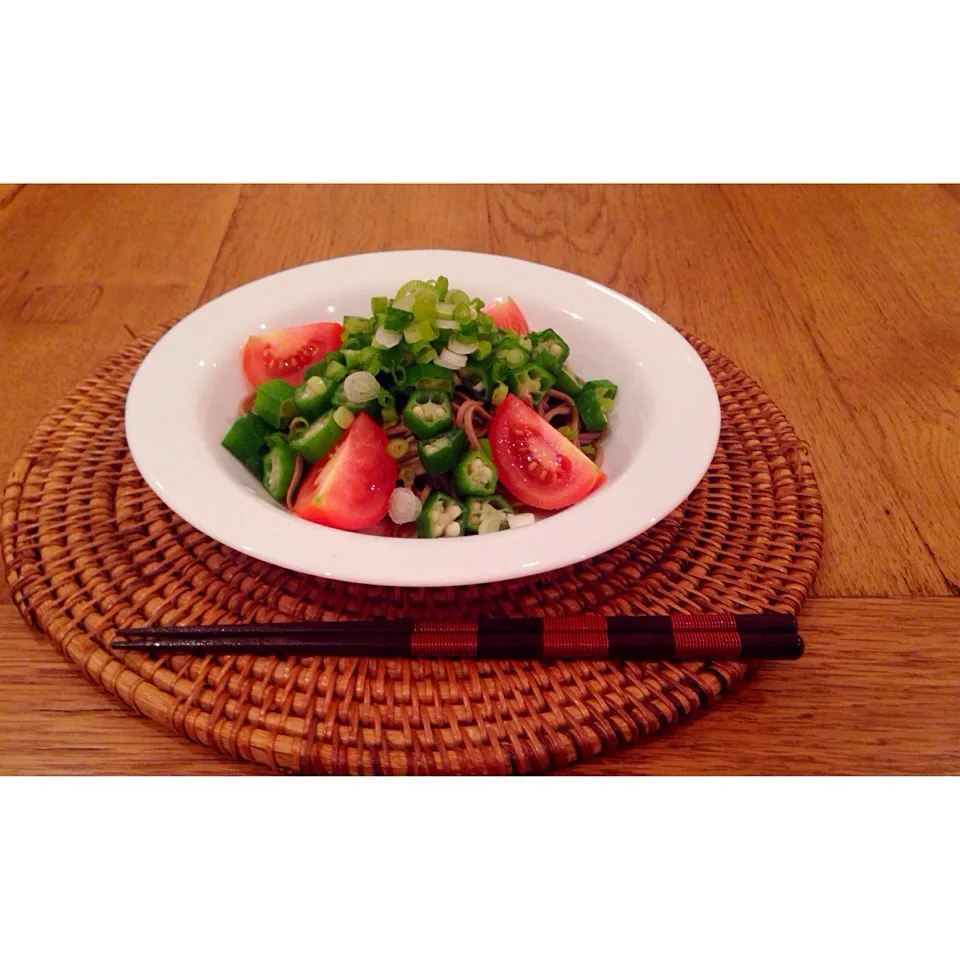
[663, 432]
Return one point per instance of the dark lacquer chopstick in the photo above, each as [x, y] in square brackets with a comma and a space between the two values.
[587, 636]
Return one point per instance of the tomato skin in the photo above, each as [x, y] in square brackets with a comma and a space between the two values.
[285, 354]
[350, 489]
[536, 462]
[505, 313]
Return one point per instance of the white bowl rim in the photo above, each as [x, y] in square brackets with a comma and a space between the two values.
[625, 507]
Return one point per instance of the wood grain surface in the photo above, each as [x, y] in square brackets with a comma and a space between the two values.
[843, 301]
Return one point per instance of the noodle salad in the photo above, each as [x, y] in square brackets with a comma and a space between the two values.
[436, 416]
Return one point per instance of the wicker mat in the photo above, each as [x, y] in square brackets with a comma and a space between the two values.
[88, 547]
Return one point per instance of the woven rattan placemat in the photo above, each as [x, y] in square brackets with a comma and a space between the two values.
[88, 547]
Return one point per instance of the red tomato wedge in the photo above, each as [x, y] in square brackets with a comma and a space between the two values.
[351, 488]
[285, 354]
[505, 313]
[536, 462]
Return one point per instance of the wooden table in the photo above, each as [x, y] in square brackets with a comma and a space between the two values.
[844, 302]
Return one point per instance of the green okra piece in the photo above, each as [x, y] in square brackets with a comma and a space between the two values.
[441, 453]
[475, 475]
[428, 413]
[314, 396]
[274, 403]
[442, 516]
[549, 350]
[278, 466]
[568, 382]
[319, 438]
[246, 437]
[475, 513]
[531, 382]
[591, 413]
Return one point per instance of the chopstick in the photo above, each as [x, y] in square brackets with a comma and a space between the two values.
[716, 636]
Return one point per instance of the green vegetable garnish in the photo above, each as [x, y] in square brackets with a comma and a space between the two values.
[428, 413]
[246, 438]
[278, 465]
[274, 403]
[549, 350]
[313, 396]
[530, 382]
[591, 413]
[442, 516]
[441, 453]
[475, 475]
[569, 382]
[477, 377]
[490, 513]
[318, 439]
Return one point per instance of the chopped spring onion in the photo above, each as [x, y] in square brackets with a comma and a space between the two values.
[404, 506]
[387, 338]
[499, 394]
[457, 296]
[335, 371]
[360, 387]
[424, 309]
[445, 310]
[451, 360]
[339, 399]
[343, 417]
[416, 288]
[396, 319]
[461, 347]
[447, 324]
[424, 353]
[517, 520]
[398, 447]
[358, 324]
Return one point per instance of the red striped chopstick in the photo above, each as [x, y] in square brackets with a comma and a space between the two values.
[715, 636]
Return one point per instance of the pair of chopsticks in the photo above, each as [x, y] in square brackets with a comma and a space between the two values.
[715, 636]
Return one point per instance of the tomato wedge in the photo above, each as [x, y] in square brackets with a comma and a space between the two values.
[351, 488]
[505, 313]
[536, 462]
[285, 354]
